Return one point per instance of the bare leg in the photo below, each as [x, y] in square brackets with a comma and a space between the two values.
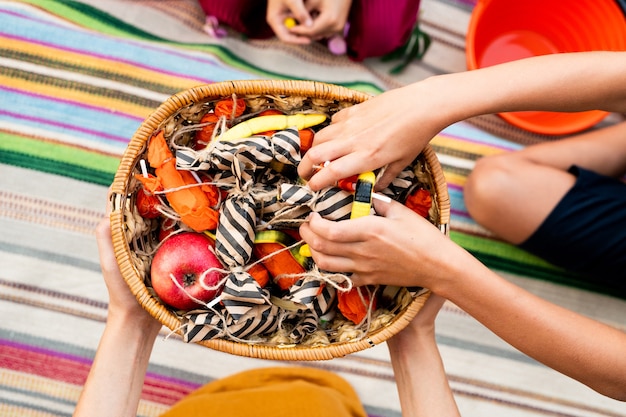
[511, 194]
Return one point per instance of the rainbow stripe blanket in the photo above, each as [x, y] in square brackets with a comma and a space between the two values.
[76, 80]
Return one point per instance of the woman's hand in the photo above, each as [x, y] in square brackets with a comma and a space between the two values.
[424, 321]
[317, 19]
[122, 303]
[388, 130]
[398, 247]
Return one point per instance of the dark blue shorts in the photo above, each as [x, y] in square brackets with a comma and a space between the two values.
[586, 231]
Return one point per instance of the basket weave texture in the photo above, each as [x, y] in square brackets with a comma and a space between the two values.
[306, 92]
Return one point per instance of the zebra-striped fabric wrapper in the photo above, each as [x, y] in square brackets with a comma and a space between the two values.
[259, 320]
[332, 203]
[314, 294]
[254, 153]
[200, 325]
[286, 146]
[267, 201]
[306, 324]
[205, 325]
[271, 178]
[238, 164]
[247, 311]
[317, 298]
[234, 236]
[241, 293]
[402, 185]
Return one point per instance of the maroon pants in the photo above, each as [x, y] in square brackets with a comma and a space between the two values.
[377, 27]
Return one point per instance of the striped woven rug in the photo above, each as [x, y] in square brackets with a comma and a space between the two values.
[76, 80]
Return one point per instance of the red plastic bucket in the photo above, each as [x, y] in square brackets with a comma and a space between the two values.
[507, 30]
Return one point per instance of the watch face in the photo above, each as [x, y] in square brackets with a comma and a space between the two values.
[363, 193]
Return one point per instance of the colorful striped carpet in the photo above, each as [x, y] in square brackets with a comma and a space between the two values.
[76, 80]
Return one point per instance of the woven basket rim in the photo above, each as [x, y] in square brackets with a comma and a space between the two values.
[122, 249]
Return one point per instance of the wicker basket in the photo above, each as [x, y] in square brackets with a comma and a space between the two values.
[330, 98]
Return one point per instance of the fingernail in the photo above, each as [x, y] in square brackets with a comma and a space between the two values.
[324, 165]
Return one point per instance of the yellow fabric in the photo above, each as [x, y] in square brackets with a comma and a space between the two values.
[276, 392]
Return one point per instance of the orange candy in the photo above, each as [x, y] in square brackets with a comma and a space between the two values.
[167, 227]
[348, 184]
[260, 274]
[192, 204]
[280, 263]
[271, 112]
[213, 193]
[355, 303]
[147, 204]
[230, 108]
[306, 139]
[204, 136]
[420, 202]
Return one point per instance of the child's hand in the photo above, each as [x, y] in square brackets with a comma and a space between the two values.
[278, 11]
[315, 19]
[398, 247]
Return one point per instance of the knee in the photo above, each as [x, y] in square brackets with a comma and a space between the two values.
[487, 184]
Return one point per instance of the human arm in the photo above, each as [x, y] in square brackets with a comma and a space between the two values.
[115, 381]
[420, 375]
[417, 254]
[392, 128]
[317, 19]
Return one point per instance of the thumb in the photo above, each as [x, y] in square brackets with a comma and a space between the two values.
[387, 209]
[301, 14]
